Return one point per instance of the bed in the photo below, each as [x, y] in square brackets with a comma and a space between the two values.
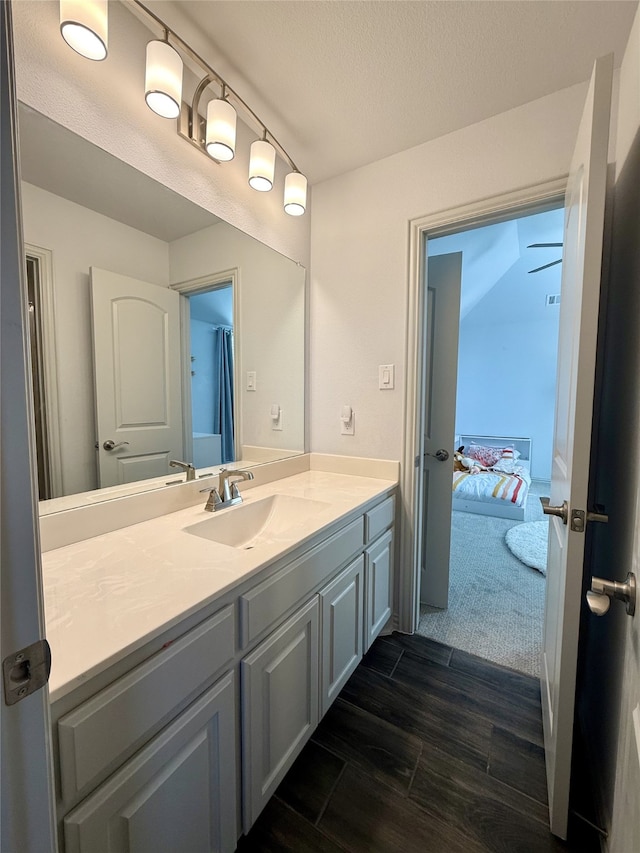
[501, 493]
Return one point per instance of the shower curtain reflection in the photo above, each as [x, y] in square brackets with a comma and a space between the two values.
[223, 390]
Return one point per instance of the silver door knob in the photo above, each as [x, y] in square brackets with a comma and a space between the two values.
[602, 591]
[110, 444]
[561, 511]
[441, 455]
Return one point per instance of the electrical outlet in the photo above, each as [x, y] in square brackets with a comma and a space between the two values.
[251, 380]
[347, 421]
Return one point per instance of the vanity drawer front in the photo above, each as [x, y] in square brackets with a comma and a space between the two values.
[379, 518]
[270, 600]
[100, 733]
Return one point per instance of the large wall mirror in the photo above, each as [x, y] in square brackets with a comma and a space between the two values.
[159, 332]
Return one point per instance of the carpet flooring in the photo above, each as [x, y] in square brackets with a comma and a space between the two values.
[496, 603]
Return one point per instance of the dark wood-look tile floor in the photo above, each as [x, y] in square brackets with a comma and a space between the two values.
[426, 749]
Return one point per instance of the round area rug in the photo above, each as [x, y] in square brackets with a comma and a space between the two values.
[528, 542]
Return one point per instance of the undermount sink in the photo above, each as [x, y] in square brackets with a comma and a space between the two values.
[250, 524]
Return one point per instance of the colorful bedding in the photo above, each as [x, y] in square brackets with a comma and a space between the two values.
[493, 486]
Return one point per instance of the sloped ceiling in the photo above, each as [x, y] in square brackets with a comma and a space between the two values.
[343, 83]
[491, 252]
[60, 162]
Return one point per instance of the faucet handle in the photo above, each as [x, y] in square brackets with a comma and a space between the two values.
[213, 501]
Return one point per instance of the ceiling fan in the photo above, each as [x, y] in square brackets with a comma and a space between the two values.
[545, 246]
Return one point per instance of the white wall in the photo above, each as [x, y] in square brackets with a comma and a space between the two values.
[507, 362]
[610, 660]
[104, 103]
[270, 332]
[80, 238]
[359, 253]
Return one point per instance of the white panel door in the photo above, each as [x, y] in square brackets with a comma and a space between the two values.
[137, 367]
[582, 259]
[442, 323]
[27, 810]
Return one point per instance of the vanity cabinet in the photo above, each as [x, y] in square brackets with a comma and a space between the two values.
[290, 680]
[148, 758]
[177, 793]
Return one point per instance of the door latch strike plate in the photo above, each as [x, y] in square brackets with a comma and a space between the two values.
[578, 517]
[26, 671]
[577, 520]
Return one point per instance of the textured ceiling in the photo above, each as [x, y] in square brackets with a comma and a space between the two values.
[342, 84]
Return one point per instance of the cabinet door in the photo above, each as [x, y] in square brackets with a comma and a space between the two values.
[280, 684]
[178, 793]
[378, 586]
[341, 604]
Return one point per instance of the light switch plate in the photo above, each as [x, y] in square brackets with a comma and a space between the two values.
[386, 377]
[251, 380]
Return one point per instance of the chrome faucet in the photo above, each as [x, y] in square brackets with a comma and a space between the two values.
[187, 467]
[227, 493]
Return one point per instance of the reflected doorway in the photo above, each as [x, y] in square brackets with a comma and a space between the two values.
[210, 329]
[211, 360]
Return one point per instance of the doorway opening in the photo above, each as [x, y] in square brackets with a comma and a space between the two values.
[212, 371]
[42, 345]
[484, 552]
[209, 321]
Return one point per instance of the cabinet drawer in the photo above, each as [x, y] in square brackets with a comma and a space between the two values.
[379, 518]
[271, 599]
[101, 733]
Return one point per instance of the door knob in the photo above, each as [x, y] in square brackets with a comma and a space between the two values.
[561, 511]
[602, 591]
[110, 444]
[441, 455]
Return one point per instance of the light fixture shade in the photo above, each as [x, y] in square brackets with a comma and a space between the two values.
[221, 130]
[295, 194]
[84, 26]
[163, 79]
[262, 163]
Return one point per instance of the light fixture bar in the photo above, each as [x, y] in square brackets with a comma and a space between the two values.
[215, 77]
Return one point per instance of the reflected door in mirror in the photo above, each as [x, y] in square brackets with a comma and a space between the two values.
[136, 339]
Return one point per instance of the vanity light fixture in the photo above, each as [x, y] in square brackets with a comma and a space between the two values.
[295, 194]
[163, 78]
[221, 128]
[83, 24]
[262, 164]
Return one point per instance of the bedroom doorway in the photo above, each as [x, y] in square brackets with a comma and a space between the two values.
[504, 416]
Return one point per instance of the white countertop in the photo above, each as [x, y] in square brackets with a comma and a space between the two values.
[109, 595]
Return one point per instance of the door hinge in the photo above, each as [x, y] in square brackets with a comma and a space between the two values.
[26, 671]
